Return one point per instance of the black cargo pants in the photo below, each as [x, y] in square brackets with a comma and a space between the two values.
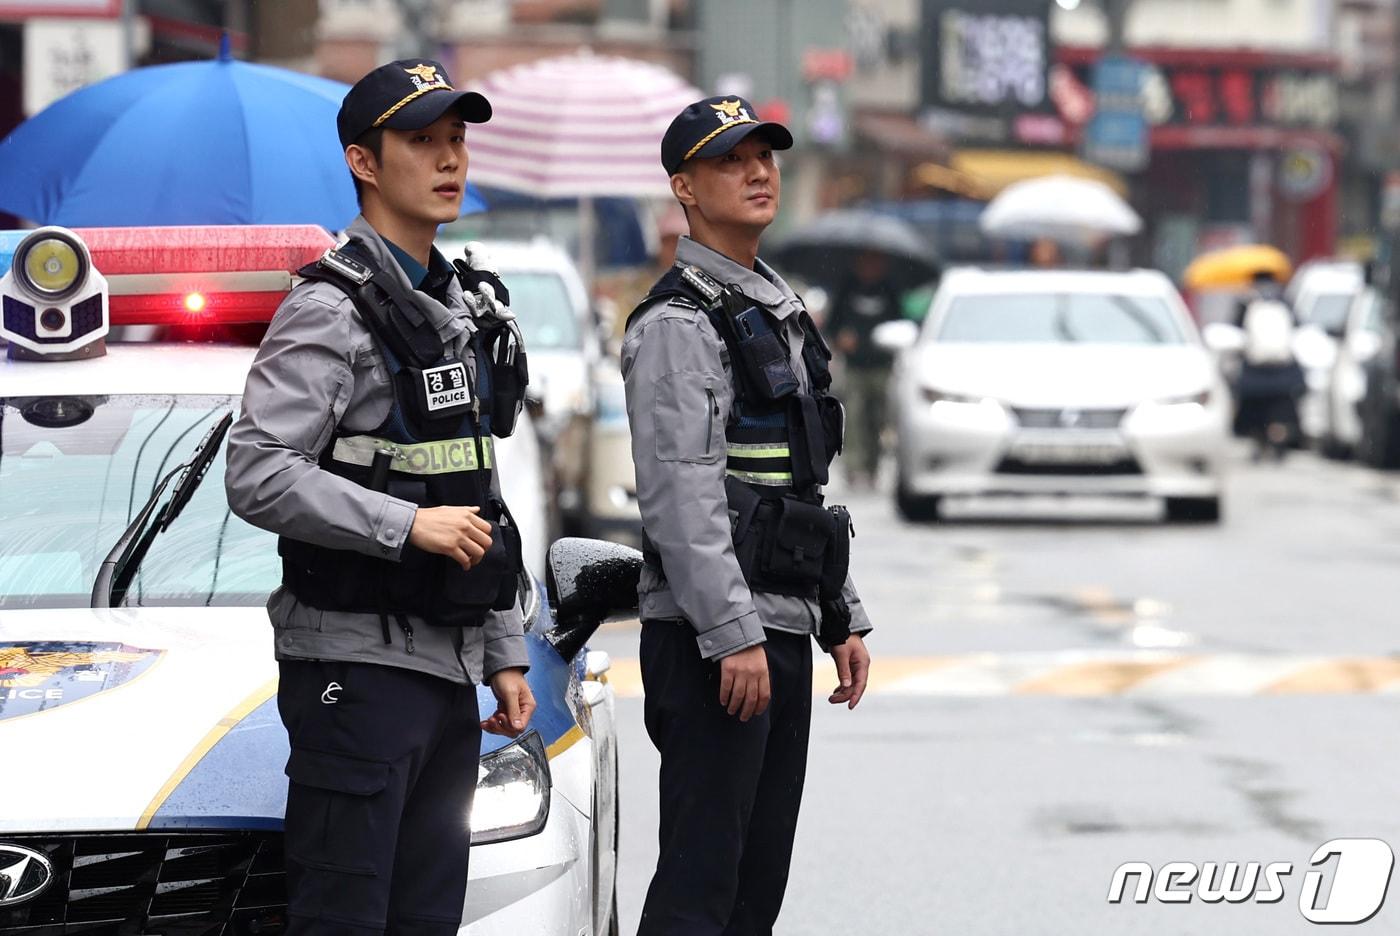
[730, 790]
[382, 772]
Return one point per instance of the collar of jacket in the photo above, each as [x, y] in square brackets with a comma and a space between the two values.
[760, 284]
[450, 319]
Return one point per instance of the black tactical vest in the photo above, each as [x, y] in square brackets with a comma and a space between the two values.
[433, 449]
[780, 442]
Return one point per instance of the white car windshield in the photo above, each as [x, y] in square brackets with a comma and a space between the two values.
[1061, 318]
[74, 472]
[542, 307]
[1329, 311]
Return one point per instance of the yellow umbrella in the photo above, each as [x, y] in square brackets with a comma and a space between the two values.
[1234, 267]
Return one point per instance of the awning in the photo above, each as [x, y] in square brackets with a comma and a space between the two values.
[983, 173]
[901, 135]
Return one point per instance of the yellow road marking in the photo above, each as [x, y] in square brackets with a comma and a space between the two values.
[1098, 677]
[1070, 674]
[1333, 676]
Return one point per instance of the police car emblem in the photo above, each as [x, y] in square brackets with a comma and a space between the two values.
[445, 386]
[35, 676]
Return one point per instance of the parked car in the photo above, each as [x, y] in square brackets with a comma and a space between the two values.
[156, 805]
[1321, 294]
[1360, 342]
[611, 511]
[1057, 382]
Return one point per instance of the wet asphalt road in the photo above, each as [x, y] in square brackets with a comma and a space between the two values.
[1061, 687]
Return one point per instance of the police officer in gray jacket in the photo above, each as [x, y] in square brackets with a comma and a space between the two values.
[365, 442]
[733, 429]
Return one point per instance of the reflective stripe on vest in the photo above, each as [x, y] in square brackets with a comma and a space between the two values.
[765, 463]
[420, 458]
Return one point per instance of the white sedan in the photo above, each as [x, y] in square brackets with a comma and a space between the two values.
[1057, 382]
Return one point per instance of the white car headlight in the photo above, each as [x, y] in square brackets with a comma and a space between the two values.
[1201, 399]
[512, 792]
[939, 396]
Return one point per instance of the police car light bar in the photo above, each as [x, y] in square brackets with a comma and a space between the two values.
[233, 274]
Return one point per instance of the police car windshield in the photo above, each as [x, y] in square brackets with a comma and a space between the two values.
[74, 470]
[542, 308]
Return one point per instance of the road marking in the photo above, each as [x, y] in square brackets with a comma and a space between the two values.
[1133, 674]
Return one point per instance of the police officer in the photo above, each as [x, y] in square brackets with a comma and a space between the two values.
[733, 431]
[365, 441]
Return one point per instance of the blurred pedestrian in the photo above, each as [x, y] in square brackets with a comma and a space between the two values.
[865, 300]
[732, 435]
[1270, 381]
[1046, 254]
[366, 444]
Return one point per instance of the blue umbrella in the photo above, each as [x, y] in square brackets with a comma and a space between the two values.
[222, 142]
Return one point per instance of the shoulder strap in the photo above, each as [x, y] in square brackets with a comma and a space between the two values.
[390, 314]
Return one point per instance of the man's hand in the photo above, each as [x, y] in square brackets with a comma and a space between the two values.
[744, 688]
[853, 667]
[455, 532]
[515, 704]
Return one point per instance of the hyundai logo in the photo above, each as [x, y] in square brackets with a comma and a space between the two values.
[24, 874]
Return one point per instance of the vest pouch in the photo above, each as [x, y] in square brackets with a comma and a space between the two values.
[508, 382]
[833, 419]
[763, 357]
[838, 557]
[464, 596]
[744, 524]
[797, 542]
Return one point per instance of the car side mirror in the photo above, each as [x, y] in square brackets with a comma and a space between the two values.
[896, 336]
[588, 580]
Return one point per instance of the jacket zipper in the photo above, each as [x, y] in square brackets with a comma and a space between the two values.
[710, 417]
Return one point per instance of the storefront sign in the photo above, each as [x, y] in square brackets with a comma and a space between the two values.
[1222, 95]
[26, 9]
[63, 55]
[986, 56]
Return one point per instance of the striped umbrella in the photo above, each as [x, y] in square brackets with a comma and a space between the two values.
[578, 126]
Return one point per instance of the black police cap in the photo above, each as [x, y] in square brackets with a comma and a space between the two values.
[713, 127]
[405, 95]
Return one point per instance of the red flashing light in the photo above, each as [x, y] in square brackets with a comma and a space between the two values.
[195, 303]
[219, 308]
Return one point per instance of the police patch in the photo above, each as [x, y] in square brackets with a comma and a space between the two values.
[40, 675]
[445, 386]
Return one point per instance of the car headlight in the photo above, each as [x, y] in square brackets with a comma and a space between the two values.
[1202, 399]
[939, 396]
[512, 792]
[51, 265]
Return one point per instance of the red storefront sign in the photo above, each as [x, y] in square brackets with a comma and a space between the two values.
[26, 9]
[1231, 99]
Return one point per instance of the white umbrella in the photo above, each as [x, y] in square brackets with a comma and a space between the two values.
[579, 126]
[1059, 207]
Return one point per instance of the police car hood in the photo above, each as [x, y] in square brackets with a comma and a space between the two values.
[121, 719]
[166, 718]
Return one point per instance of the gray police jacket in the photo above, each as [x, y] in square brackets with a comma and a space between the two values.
[319, 368]
[676, 373]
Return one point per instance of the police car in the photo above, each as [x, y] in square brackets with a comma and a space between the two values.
[144, 786]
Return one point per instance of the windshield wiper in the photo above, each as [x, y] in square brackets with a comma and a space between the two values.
[119, 568]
